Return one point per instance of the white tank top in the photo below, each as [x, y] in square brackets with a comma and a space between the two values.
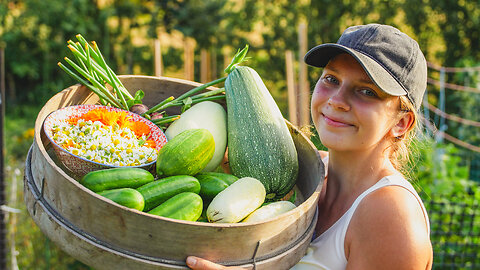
[327, 251]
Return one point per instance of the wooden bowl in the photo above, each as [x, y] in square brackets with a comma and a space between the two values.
[105, 235]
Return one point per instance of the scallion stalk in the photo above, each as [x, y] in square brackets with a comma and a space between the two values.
[94, 89]
[165, 120]
[91, 64]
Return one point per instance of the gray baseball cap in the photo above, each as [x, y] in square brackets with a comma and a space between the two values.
[391, 58]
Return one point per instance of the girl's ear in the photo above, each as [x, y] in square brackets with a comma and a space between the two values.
[403, 125]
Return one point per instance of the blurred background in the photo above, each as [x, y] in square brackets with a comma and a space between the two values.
[195, 40]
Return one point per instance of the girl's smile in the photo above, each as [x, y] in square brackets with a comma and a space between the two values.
[335, 122]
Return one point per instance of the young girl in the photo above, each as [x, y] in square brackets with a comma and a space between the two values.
[365, 108]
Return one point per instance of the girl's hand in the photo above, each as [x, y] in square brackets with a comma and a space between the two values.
[196, 263]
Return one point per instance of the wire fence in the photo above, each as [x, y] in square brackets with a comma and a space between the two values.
[438, 118]
[455, 234]
[455, 222]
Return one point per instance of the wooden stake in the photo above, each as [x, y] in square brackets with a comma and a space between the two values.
[291, 90]
[226, 59]
[13, 220]
[213, 65]
[189, 58]
[158, 59]
[205, 74]
[304, 92]
[3, 200]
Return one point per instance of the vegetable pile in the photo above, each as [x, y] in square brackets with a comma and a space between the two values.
[192, 181]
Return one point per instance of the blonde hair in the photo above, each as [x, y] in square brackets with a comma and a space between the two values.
[399, 154]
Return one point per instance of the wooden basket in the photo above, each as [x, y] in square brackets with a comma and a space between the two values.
[105, 235]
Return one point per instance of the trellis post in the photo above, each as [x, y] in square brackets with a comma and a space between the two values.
[188, 60]
[441, 105]
[3, 202]
[291, 87]
[158, 58]
[303, 87]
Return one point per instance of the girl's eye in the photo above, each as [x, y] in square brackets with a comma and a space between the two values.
[368, 92]
[330, 79]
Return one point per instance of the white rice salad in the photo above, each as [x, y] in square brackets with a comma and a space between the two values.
[104, 144]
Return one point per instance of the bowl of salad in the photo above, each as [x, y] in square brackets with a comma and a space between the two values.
[93, 137]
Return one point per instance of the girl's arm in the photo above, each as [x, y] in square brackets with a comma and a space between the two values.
[388, 231]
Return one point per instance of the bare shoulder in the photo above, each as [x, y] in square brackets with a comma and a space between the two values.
[388, 230]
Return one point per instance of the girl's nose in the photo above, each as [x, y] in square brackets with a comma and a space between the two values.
[338, 99]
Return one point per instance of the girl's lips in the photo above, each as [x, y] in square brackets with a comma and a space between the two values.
[335, 122]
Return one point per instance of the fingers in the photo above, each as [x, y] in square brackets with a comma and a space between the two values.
[196, 263]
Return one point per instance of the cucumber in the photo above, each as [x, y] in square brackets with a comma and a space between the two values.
[236, 201]
[127, 197]
[269, 211]
[211, 183]
[159, 191]
[209, 115]
[184, 206]
[203, 216]
[187, 153]
[114, 178]
[259, 142]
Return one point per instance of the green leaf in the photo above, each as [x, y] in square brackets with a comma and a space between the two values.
[239, 57]
[293, 197]
[139, 95]
[132, 102]
[187, 103]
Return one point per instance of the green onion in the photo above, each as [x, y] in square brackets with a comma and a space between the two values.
[91, 65]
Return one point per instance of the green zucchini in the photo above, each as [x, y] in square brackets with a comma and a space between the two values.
[114, 178]
[127, 197]
[211, 183]
[259, 142]
[186, 154]
[159, 191]
[184, 206]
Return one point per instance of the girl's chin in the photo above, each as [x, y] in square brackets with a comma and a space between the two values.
[337, 140]
[332, 141]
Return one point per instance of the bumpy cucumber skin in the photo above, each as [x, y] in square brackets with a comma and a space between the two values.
[114, 178]
[212, 183]
[157, 192]
[184, 206]
[127, 197]
[187, 153]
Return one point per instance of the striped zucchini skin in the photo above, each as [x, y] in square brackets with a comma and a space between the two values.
[186, 154]
[259, 142]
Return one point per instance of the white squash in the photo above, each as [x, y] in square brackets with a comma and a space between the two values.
[211, 116]
[270, 211]
[236, 201]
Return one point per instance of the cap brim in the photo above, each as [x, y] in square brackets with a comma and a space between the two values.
[320, 55]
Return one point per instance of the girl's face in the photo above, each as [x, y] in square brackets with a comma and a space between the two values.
[349, 111]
